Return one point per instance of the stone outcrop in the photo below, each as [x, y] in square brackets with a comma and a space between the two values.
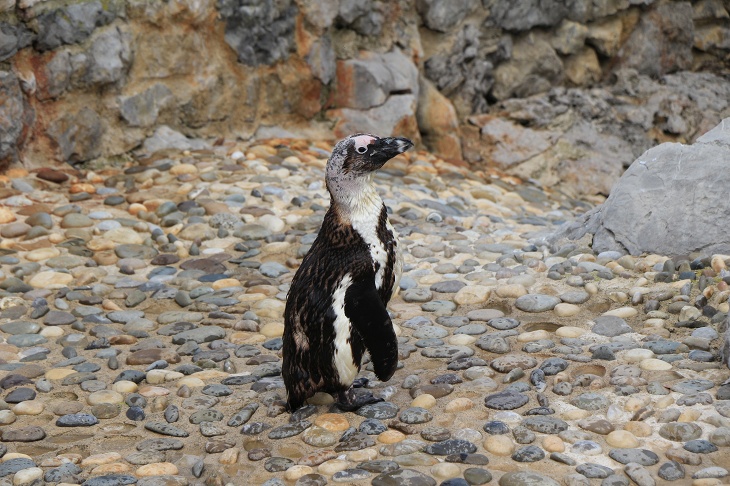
[427, 69]
[670, 201]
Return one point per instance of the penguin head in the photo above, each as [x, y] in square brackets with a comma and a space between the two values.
[356, 157]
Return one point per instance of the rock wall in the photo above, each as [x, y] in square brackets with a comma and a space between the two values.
[88, 79]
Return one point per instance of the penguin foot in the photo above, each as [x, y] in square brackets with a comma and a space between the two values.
[349, 400]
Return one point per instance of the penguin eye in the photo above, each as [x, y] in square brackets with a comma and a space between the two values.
[361, 150]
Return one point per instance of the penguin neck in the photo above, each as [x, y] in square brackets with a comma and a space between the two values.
[360, 203]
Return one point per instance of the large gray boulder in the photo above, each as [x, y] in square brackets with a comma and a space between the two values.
[671, 201]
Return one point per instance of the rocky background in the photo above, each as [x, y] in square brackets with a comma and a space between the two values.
[564, 92]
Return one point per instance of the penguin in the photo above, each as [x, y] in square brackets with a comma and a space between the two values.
[336, 304]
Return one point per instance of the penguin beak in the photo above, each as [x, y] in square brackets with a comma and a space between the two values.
[384, 149]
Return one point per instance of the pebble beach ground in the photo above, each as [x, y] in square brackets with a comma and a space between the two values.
[141, 314]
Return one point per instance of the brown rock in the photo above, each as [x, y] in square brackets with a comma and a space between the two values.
[52, 175]
[438, 121]
[149, 356]
[31, 433]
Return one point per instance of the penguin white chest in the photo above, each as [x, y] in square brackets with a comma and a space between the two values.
[343, 361]
[367, 228]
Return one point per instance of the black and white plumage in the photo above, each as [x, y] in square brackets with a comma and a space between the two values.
[335, 309]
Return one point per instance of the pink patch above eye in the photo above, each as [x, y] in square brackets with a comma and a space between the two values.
[363, 141]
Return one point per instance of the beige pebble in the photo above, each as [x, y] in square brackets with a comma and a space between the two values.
[527, 337]
[58, 373]
[636, 402]
[472, 294]
[575, 414]
[99, 459]
[157, 469]
[618, 297]
[333, 466]
[50, 280]
[229, 456]
[272, 329]
[445, 470]
[638, 429]
[225, 283]
[637, 355]
[499, 445]
[29, 407]
[125, 386]
[724, 307]
[111, 468]
[181, 169]
[707, 482]
[42, 254]
[565, 309]
[622, 312]
[6, 215]
[553, 443]
[104, 396]
[459, 405]
[689, 313]
[362, 455]
[622, 438]
[7, 417]
[124, 236]
[334, 422]
[391, 436]
[687, 415]
[462, 339]
[570, 331]
[210, 374]
[14, 455]
[296, 472]
[110, 305]
[162, 376]
[424, 401]
[101, 244]
[591, 288]
[191, 381]
[51, 332]
[653, 364]
[718, 263]
[664, 402]
[510, 291]
[654, 322]
[27, 476]
[152, 391]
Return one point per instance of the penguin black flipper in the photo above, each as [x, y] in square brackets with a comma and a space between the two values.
[366, 311]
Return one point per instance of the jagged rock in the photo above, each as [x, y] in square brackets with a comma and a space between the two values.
[74, 23]
[462, 74]
[437, 121]
[583, 68]
[260, 33]
[320, 14]
[396, 115]
[667, 201]
[605, 36]
[12, 116]
[443, 15]
[362, 16]
[142, 109]
[569, 37]
[533, 68]
[367, 82]
[662, 41]
[525, 14]
[78, 136]
[107, 60]
[321, 59]
[12, 39]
